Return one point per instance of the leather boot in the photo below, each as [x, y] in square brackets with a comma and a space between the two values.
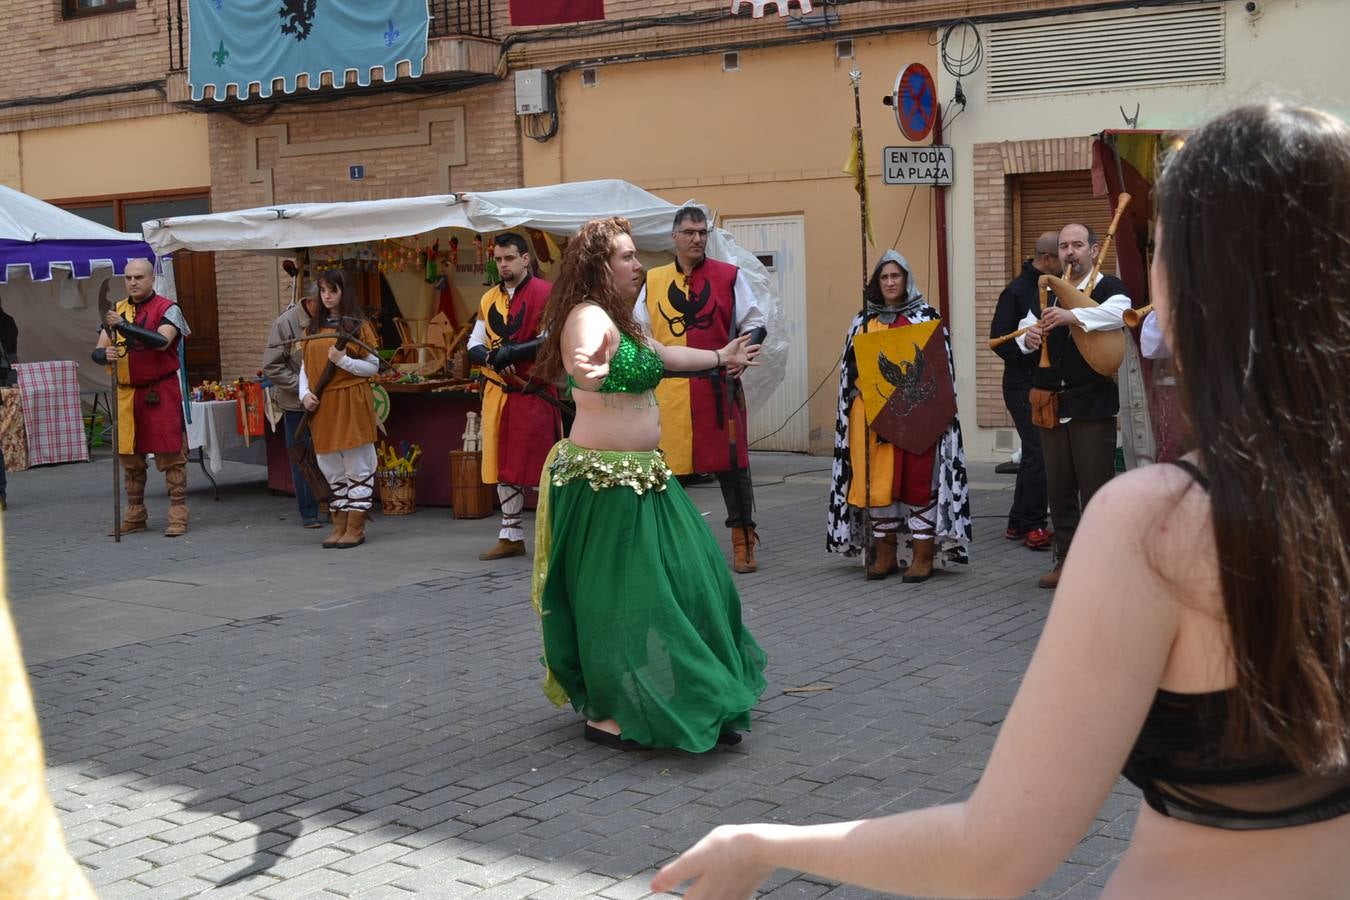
[503, 549]
[743, 542]
[1050, 580]
[355, 535]
[175, 479]
[921, 567]
[135, 516]
[883, 558]
[339, 529]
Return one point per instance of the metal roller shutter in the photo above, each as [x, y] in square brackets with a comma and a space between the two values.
[1047, 202]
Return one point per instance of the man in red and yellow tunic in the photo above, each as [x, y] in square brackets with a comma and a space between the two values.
[141, 338]
[520, 425]
[701, 302]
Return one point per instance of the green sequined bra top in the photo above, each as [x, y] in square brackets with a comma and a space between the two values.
[633, 369]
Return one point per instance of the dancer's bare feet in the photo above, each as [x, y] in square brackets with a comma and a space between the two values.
[608, 725]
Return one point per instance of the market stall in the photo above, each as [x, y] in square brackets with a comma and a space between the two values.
[52, 266]
[421, 264]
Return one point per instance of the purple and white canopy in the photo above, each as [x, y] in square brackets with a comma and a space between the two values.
[36, 236]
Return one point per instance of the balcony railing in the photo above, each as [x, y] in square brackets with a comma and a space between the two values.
[463, 18]
[449, 18]
[175, 29]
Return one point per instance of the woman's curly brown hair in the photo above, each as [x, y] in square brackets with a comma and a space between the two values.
[584, 277]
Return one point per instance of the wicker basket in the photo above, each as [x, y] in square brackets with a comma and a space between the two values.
[398, 496]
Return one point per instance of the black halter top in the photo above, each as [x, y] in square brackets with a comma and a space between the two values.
[1180, 763]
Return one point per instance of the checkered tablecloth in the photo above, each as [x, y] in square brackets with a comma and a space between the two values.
[51, 412]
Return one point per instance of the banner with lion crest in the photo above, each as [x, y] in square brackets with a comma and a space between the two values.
[258, 42]
[906, 384]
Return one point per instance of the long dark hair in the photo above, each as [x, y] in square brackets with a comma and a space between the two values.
[348, 307]
[1255, 250]
[584, 277]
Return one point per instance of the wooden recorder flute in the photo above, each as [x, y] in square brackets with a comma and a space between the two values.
[995, 343]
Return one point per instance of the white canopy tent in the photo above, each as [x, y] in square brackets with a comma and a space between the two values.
[53, 264]
[559, 210]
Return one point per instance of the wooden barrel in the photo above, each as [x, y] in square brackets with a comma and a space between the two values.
[470, 498]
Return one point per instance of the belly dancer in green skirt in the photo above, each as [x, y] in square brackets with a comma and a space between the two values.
[641, 622]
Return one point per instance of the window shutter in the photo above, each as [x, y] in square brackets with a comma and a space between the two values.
[1047, 202]
[1107, 52]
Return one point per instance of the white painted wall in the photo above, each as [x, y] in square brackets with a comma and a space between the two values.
[1295, 50]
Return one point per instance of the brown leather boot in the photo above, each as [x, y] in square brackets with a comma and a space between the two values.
[129, 526]
[503, 549]
[921, 567]
[339, 529]
[175, 478]
[355, 535]
[883, 558]
[743, 542]
[135, 516]
[1050, 580]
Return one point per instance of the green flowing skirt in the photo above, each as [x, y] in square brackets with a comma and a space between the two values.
[641, 621]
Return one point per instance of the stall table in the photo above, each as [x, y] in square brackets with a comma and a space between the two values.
[419, 414]
[214, 434]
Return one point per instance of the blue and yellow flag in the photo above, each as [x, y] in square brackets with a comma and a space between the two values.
[246, 42]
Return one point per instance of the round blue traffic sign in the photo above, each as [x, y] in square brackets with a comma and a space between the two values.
[915, 101]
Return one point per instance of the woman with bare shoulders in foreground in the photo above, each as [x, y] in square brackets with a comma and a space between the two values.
[1198, 640]
[644, 642]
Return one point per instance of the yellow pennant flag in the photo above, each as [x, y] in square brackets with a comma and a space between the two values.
[857, 167]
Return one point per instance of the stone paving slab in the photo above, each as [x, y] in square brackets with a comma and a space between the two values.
[240, 713]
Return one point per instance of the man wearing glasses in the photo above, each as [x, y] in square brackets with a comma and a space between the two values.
[701, 302]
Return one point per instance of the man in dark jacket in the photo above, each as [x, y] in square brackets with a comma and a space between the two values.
[1080, 450]
[1026, 519]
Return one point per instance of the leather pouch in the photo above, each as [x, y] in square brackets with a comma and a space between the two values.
[1044, 408]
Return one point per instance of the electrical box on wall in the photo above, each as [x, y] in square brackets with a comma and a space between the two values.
[534, 92]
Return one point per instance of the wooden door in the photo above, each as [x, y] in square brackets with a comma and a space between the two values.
[195, 280]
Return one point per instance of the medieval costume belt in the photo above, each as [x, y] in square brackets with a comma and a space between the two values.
[151, 383]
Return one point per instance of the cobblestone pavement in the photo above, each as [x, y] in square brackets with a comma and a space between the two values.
[240, 713]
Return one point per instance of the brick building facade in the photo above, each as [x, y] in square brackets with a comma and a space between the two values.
[80, 89]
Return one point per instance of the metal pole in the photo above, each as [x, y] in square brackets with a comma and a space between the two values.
[117, 463]
[855, 78]
[104, 306]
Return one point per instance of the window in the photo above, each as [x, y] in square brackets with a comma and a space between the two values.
[129, 213]
[75, 8]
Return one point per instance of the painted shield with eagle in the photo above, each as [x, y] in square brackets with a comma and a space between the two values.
[905, 382]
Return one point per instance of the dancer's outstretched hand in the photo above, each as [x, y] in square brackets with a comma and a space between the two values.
[593, 367]
[739, 353]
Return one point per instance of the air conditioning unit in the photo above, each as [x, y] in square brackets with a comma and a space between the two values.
[534, 92]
